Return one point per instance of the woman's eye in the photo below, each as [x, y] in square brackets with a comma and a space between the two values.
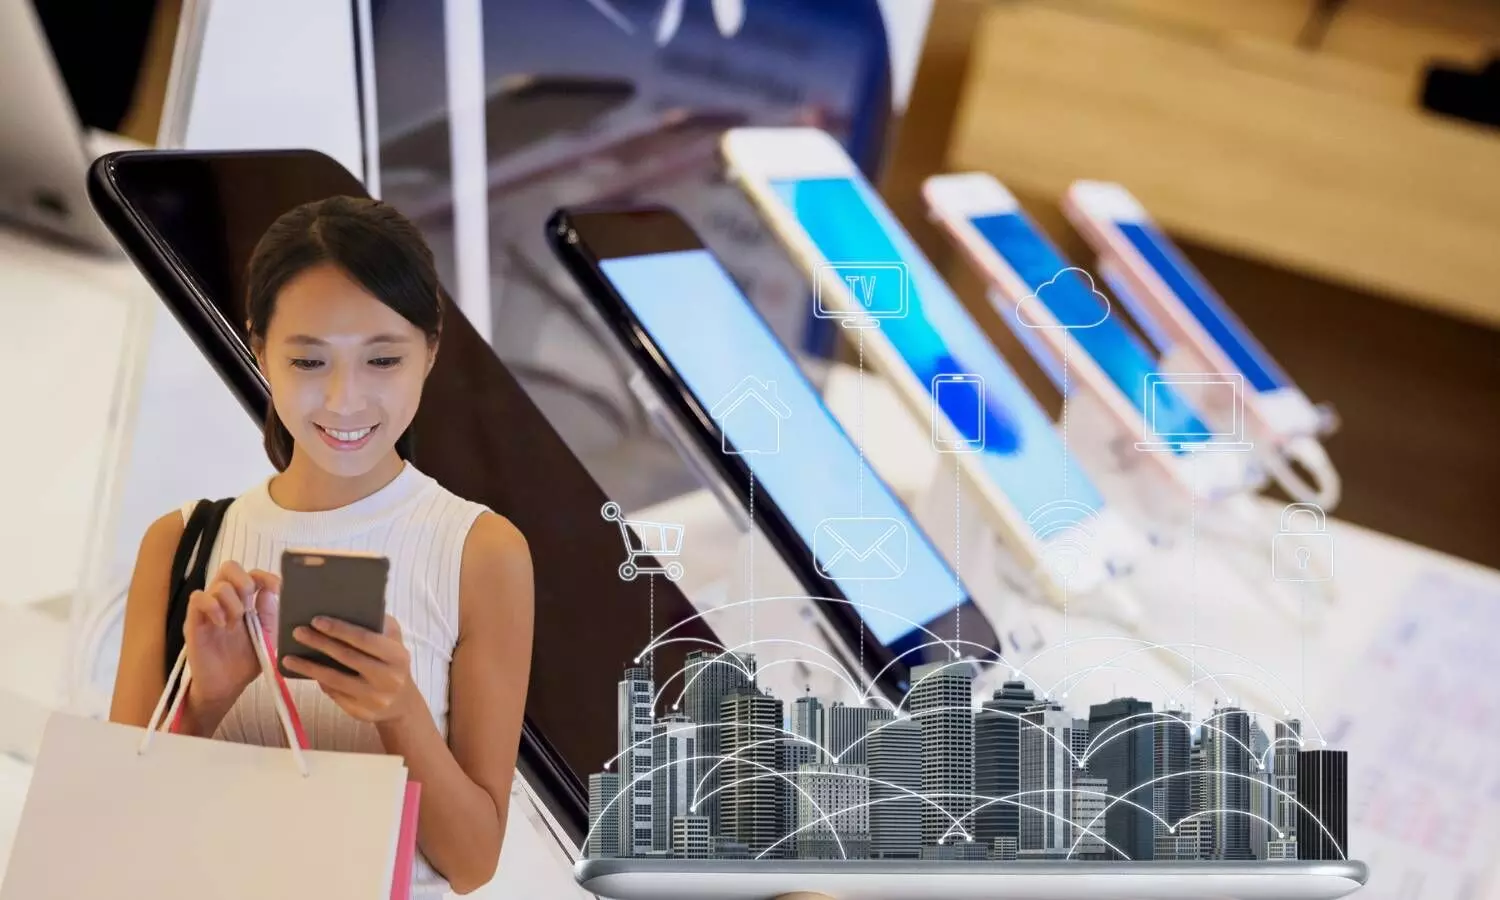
[307, 364]
[386, 362]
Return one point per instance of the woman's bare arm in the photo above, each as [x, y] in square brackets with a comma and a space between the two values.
[466, 780]
[140, 677]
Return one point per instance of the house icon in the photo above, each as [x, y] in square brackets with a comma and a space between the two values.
[753, 414]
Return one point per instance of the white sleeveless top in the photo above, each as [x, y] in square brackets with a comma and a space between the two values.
[421, 527]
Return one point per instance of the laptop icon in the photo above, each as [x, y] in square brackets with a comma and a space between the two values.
[1218, 393]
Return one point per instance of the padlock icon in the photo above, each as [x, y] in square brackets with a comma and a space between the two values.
[1302, 551]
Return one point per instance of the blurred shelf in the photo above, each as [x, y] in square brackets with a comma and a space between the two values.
[1317, 162]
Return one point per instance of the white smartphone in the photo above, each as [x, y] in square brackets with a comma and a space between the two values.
[694, 879]
[869, 274]
[1060, 312]
[1194, 329]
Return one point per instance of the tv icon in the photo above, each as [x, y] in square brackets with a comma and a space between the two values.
[859, 295]
[1220, 394]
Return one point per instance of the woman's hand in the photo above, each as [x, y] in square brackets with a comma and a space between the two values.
[219, 651]
[381, 689]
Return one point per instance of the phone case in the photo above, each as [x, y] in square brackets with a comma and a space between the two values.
[337, 584]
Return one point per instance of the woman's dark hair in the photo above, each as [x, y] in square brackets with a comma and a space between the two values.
[374, 245]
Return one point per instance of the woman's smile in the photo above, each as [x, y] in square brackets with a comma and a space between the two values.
[339, 439]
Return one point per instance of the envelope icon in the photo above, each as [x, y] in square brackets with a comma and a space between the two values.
[869, 548]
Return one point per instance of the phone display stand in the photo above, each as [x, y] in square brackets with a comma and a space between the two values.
[738, 581]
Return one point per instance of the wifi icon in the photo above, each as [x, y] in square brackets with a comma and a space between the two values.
[1065, 530]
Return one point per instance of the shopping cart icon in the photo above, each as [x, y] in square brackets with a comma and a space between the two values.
[653, 539]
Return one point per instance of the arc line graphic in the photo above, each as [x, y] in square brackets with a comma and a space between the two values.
[1007, 713]
[991, 801]
[837, 673]
[1280, 835]
[800, 598]
[1274, 789]
[588, 836]
[693, 727]
[1025, 806]
[907, 793]
[1284, 740]
[736, 756]
[1095, 745]
[998, 659]
[1146, 646]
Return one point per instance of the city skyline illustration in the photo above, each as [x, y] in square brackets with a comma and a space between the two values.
[731, 771]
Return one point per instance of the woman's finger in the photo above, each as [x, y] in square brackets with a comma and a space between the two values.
[354, 659]
[348, 703]
[326, 676]
[365, 641]
[267, 602]
[235, 575]
[202, 606]
[229, 600]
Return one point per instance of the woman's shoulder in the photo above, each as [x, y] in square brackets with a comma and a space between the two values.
[494, 548]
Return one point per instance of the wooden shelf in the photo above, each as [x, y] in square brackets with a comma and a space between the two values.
[1318, 162]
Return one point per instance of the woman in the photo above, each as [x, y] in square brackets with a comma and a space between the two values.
[345, 316]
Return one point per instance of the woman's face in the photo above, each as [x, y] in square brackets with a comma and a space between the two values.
[346, 371]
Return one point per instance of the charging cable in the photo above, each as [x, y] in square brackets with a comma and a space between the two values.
[1308, 453]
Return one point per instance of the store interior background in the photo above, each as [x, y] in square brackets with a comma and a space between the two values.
[1376, 284]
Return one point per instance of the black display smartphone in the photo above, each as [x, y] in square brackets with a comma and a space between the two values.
[861, 557]
[344, 585]
[190, 220]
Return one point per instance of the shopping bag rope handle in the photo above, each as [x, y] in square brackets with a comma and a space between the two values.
[286, 709]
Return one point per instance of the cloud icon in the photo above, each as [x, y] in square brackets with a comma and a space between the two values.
[1062, 304]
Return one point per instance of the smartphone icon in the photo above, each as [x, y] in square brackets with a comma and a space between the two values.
[958, 413]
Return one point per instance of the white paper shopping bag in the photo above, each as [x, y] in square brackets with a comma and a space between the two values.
[116, 812]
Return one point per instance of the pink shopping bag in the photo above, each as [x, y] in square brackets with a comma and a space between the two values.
[406, 842]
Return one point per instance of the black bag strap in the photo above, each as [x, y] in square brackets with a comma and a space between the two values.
[190, 569]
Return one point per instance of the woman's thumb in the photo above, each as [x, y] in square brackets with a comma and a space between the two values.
[267, 599]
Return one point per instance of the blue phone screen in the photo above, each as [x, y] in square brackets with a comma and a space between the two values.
[803, 461]
[1023, 453]
[1211, 312]
[1125, 359]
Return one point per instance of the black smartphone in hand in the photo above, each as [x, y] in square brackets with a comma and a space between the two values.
[341, 584]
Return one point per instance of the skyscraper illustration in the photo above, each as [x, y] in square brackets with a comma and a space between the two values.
[604, 825]
[690, 838]
[710, 677]
[841, 792]
[809, 720]
[1229, 782]
[1323, 792]
[673, 746]
[1260, 814]
[633, 711]
[749, 788]
[1123, 753]
[1078, 744]
[997, 760]
[1199, 830]
[941, 703]
[894, 751]
[1284, 776]
[791, 755]
[1091, 825]
[1046, 812]
[846, 730]
[1171, 797]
